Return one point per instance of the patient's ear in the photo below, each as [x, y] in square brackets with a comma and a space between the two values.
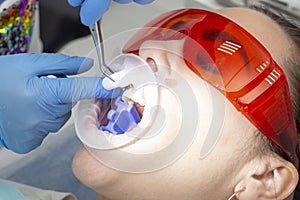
[273, 178]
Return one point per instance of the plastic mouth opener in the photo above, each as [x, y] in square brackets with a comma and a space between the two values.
[98, 41]
[131, 72]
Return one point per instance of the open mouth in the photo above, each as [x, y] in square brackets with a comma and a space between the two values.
[103, 119]
[92, 115]
[143, 97]
[123, 113]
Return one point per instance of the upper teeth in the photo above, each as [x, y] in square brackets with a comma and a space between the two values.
[131, 95]
[133, 70]
[146, 96]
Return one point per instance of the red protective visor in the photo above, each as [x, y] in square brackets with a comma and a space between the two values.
[233, 61]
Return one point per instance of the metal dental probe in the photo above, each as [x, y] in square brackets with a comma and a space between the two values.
[98, 41]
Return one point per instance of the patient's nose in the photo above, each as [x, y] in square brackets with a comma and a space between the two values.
[161, 53]
[155, 53]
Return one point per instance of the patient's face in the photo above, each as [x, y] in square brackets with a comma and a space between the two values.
[190, 174]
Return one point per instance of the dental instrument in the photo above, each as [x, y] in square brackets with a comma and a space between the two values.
[131, 71]
[125, 115]
[98, 42]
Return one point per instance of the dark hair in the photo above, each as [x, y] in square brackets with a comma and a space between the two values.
[292, 67]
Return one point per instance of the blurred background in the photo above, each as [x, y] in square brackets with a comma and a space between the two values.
[61, 24]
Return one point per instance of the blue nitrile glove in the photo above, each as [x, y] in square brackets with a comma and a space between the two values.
[32, 104]
[92, 10]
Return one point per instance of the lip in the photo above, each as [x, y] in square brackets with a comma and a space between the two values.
[90, 113]
[140, 109]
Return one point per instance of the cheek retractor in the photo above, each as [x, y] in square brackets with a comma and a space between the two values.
[129, 70]
[133, 73]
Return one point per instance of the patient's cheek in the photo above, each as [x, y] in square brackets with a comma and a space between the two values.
[91, 172]
[81, 164]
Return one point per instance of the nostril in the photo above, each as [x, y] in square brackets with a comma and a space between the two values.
[152, 64]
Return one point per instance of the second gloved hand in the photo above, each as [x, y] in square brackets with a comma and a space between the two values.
[32, 104]
[92, 10]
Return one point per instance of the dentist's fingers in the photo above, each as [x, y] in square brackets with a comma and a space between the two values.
[123, 1]
[45, 64]
[93, 10]
[143, 2]
[75, 3]
[71, 90]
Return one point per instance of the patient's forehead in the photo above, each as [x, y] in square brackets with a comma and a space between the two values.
[263, 28]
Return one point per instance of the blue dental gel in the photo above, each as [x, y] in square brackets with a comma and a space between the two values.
[121, 119]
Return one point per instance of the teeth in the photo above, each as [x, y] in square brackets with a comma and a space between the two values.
[147, 97]
[138, 97]
[127, 94]
[151, 99]
[135, 96]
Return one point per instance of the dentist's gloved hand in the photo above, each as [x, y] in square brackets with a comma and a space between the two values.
[32, 104]
[92, 10]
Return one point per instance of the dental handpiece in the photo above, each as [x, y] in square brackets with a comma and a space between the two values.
[98, 41]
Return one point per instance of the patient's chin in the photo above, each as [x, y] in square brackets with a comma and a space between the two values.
[92, 172]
